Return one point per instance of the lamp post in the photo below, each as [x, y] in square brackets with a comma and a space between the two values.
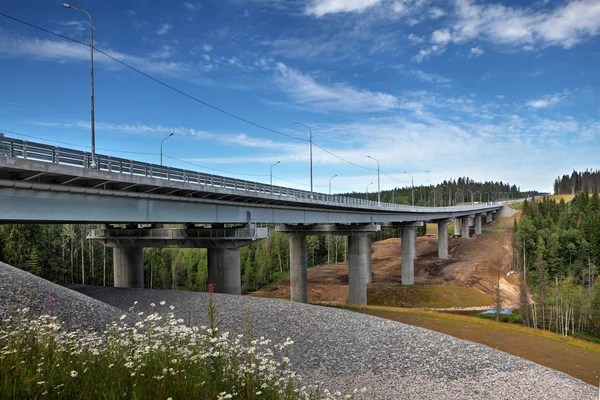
[330, 183]
[458, 190]
[412, 184]
[449, 199]
[433, 191]
[93, 125]
[378, 187]
[471, 196]
[367, 190]
[271, 175]
[161, 144]
[310, 141]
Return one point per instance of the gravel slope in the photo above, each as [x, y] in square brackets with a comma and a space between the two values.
[350, 350]
[344, 349]
[20, 289]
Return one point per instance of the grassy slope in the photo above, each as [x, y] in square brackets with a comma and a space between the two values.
[424, 296]
[575, 357]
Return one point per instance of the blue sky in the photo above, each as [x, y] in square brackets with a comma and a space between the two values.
[501, 90]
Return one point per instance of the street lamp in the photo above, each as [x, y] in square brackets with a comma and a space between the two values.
[449, 198]
[471, 196]
[412, 183]
[433, 192]
[271, 175]
[93, 125]
[310, 141]
[456, 194]
[330, 183]
[367, 190]
[378, 187]
[161, 143]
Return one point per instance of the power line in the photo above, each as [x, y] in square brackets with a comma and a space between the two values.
[186, 94]
[212, 169]
[75, 145]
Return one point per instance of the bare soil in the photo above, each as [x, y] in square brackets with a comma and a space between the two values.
[475, 263]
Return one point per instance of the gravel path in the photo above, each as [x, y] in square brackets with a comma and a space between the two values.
[343, 349]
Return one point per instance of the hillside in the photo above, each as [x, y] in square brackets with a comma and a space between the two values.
[467, 279]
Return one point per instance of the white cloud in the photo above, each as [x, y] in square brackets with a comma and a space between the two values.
[304, 90]
[441, 36]
[191, 6]
[565, 25]
[547, 101]
[164, 29]
[415, 38]
[207, 47]
[428, 52]
[476, 51]
[323, 7]
[431, 78]
[436, 12]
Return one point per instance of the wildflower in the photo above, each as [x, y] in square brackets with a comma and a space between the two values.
[123, 317]
[153, 305]
[41, 382]
[162, 303]
[74, 374]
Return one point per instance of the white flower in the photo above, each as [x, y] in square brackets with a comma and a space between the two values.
[123, 317]
[41, 382]
[74, 374]
[162, 303]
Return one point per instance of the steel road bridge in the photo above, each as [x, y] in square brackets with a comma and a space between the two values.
[40, 183]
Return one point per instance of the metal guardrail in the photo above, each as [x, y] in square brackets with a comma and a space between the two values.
[65, 156]
[180, 233]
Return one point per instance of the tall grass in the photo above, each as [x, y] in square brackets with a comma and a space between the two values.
[159, 357]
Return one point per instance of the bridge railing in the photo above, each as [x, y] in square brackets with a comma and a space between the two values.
[60, 155]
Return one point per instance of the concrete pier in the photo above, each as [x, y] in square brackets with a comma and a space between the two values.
[488, 218]
[465, 228]
[443, 239]
[298, 267]
[224, 270]
[359, 259]
[409, 236]
[478, 228]
[128, 264]
[457, 231]
[370, 262]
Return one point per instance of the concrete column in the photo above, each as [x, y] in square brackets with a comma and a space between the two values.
[478, 228]
[224, 270]
[408, 255]
[465, 228]
[370, 262]
[488, 218]
[443, 239]
[128, 265]
[298, 280]
[358, 264]
[457, 226]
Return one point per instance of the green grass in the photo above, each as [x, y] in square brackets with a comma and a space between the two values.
[425, 296]
[158, 358]
[495, 230]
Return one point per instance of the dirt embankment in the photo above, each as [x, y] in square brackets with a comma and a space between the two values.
[474, 263]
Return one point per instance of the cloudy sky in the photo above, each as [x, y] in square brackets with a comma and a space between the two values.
[499, 90]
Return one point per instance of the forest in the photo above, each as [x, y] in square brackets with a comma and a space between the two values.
[557, 251]
[588, 181]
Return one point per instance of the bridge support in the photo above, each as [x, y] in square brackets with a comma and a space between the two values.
[358, 255]
[478, 228]
[488, 217]
[457, 230]
[370, 262]
[465, 227]
[224, 270]
[409, 237]
[298, 267]
[443, 238]
[128, 265]
[359, 259]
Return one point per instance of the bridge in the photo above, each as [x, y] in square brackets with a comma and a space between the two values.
[40, 183]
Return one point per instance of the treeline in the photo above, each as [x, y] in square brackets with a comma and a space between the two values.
[448, 192]
[558, 250]
[62, 254]
[588, 181]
